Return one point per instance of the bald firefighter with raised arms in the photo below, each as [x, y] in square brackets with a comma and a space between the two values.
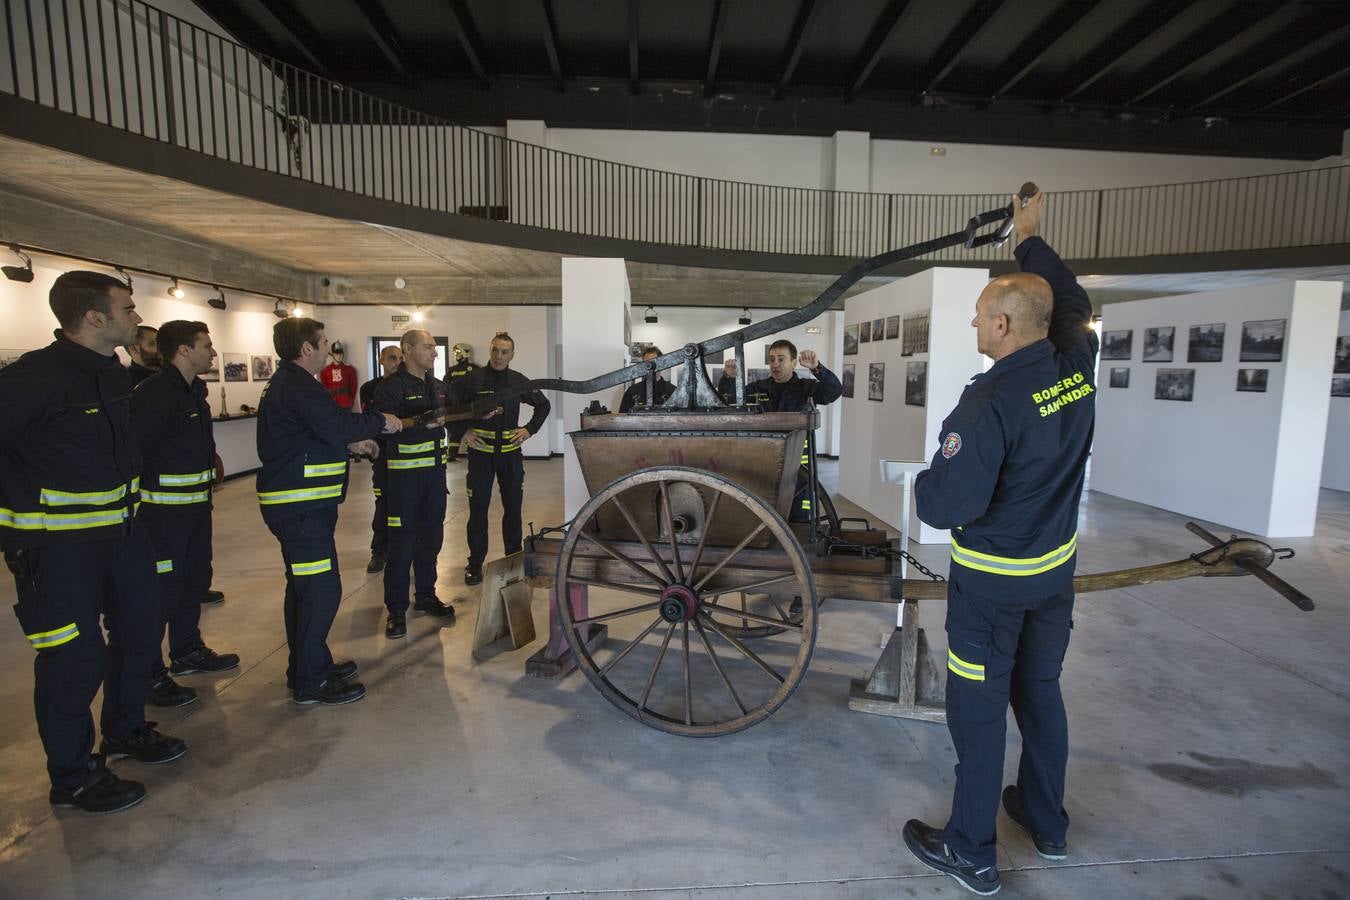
[1006, 480]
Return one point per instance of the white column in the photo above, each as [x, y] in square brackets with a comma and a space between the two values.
[595, 301]
[1335, 469]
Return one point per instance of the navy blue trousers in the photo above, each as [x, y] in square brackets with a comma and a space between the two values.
[508, 470]
[415, 502]
[66, 585]
[182, 540]
[313, 592]
[379, 527]
[1005, 649]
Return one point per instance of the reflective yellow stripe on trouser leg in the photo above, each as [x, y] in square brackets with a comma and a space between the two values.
[45, 640]
[960, 667]
[312, 568]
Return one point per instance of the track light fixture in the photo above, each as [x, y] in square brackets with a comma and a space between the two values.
[650, 316]
[280, 310]
[296, 311]
[745, 317]
[175, 291]
[22, 273]
[218, 301]
[127, 275]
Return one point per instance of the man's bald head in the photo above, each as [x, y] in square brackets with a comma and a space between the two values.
[1012, 312]
[412, 337]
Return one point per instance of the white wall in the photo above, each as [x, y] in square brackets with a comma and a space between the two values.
[1248, 461]
[473, 325]
[1336, 459]
[681, 325]
[890, 429]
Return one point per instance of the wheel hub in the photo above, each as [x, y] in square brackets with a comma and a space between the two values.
[679, 603]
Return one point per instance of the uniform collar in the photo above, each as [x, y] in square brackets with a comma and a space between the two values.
[296, 368]
[175, 377]
[1029, 354]
[89, 360]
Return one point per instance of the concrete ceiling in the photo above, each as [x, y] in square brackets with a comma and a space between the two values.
[67, 203]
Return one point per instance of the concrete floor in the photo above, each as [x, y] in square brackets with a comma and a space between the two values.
[1210, 732]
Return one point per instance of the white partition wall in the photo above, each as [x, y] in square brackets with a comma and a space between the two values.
[1248, 459]
[890, 428]
[1336, 459]
[595, 300]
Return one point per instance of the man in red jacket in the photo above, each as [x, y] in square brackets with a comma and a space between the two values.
[339, 379]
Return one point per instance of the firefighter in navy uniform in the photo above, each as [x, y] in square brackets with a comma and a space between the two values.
[69, 490]
[415, 486]
[1007, 480]
[172, 421]
[496, 451]
[303, 440]
[390, 357]
[144, 352]
[784, 391]
[637, 391]
[463, 366]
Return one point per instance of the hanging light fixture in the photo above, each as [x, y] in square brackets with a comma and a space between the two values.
[650, 316]
[218, 301]
[175, 291]
[127, 275]
[745, 316]
[279, 310]
[22, 273]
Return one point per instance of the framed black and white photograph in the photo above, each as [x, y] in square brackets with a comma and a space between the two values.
[1340, 385]
[864, 332]
[1253, 380]
[753, 375]
[916, 384]
[892, 327]
[850, 373]
[1117, 344]
[915, 339]
[850, 340]
[1262, 341]
[878, 329]
[1175, 384]
[1342, 364]
[1206, 343]
[1158, 343]
[876, 381]
[262, 367]
[236, 366]
[1120, 377]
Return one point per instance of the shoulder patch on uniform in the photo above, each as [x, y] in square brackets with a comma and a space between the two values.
[951, 444]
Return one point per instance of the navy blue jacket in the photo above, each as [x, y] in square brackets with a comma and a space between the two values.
[302, 443]
[412, 449]
[172, 421]
[69, 465]
[1008, 473]
[637, 394]
[793, 394]
[485, 381]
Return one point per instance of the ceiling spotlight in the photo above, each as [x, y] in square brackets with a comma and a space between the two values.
[22, 273]
[650, 315]
[175, 291]
[296, 312]
[417, 315]
[217, 302]
[745, 317]
[279, 308]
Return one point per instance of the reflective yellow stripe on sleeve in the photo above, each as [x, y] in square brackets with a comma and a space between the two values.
[959, 666]
[53, 497]
[163, 566]
[312, 568]
[394, 522]
[417, 462]
[423, 447]
[37, 521]
[45, 640]
[299, 495]
[184, 480]
[324, 470]
[1008, 565]
[175, 498]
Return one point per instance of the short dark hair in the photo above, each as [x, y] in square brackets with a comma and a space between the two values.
[656, 350]
[75, 293]
[503, 336]
[790, 347]
[290, 335]
[178, 333]
[143, 330]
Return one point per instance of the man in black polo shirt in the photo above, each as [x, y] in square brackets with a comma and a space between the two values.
[390, 358]
[144, 353]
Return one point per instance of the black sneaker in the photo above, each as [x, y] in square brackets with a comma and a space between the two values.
[473, 575]
[104, 793]
[204, 659]
[396, 626]
[1012, 805]
[144, 744]
[214, 597]
[433, 606]
[926, 843]
[343, 671]
[167, 693]
[332, 692]
[376, 563]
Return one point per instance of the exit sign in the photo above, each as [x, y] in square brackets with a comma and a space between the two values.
[397, 323]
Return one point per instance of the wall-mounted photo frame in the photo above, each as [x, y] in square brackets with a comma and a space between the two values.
[1341, 365]
[916, 384]
[892, 327]
[213, 373]
[1262, 341]
[876, 381]
[1158, 343]
[1340, 385]
[1206, 343]
[864, 331]
[1174, 384]
[262, 367]
[915, 338]
[851, 340]
[1117, 344]
[1252, 380]
[235, 366]
[850, 373]
[1120, 377]
[878, 329]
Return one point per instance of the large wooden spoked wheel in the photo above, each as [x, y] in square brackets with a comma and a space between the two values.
[671, 659]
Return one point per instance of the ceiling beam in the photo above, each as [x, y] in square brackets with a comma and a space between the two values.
[383, 33]
[1213, 37]
[971, 26]
[551, 41]
[1125, 39]
[1276, 53]
[633, 46]
[241, 26]
[1331, 76]
[875, 45]
[300, 34]
[468, 38]
[1031, 51]
[792, 54]
[719, 22]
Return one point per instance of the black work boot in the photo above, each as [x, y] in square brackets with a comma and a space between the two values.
[377, 561]
[1012, 805]
[167, 693]
[145, 744]
[343, 671]
[473, 574]
[204, 659]
[926, 843]
[433, 606]
[214, 597]
[333, 692]
[104, 792]
[396, 626]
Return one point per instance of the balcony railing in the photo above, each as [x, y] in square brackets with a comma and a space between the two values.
[134, 67]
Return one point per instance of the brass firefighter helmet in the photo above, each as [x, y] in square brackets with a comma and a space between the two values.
[462, 352]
